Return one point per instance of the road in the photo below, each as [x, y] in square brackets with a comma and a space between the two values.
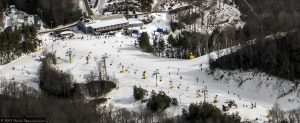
[58, 28]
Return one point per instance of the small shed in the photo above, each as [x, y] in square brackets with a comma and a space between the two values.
[67, 34]
[133, 22]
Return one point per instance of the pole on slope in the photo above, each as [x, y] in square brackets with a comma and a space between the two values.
[204, 92]
[104, 61]
[156, 73]
[88, 58]
[70, 55]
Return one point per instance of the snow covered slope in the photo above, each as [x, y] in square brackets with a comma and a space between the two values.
[260, 89]
[121, 51]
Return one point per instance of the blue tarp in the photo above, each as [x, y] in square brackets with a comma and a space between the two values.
[159, 30]
[135, 31]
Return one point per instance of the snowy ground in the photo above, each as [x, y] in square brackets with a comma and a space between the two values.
[121, 51]
[213, 16]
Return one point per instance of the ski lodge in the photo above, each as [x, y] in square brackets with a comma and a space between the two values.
[97, 24]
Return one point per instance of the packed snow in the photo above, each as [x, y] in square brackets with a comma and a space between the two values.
[122, 52]
[179, 78]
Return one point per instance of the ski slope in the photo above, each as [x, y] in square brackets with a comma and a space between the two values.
[120, 49]
[122, 52]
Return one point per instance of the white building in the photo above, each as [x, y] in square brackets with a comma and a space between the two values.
[9, 22]
[17, 18]
[99, 25]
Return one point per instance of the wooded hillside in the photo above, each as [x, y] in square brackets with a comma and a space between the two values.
[55, 12]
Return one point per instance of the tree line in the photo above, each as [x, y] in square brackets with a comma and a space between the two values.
[265, 21]
[2, 6]
[16, 41]
[25, 102]
[146, 5]
[198, 44]
[20, 101]
[52, 12]
[186, 43]
[279, 56]
[270, 39]
[191, 41]
[269, 17]
[277, 115]
[158, 46]
[54, 82]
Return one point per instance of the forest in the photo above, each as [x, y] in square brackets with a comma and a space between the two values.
[19, 100]
[26, 102]
[186, 42]
[273, 39]
[16, 41]
[279, 56]
[269, 17]
[52, 12]
[190, 41]
[264, 18]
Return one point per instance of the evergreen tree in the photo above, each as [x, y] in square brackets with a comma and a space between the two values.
[15, 41]
[144, 42]
[146, 5]
[161, 46]
[155, 45]
[202, 111]
[171, 40]
[158, 102]
[138, 93]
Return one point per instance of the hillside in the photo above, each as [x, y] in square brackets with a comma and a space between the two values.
[52, 12]
[153, 61]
